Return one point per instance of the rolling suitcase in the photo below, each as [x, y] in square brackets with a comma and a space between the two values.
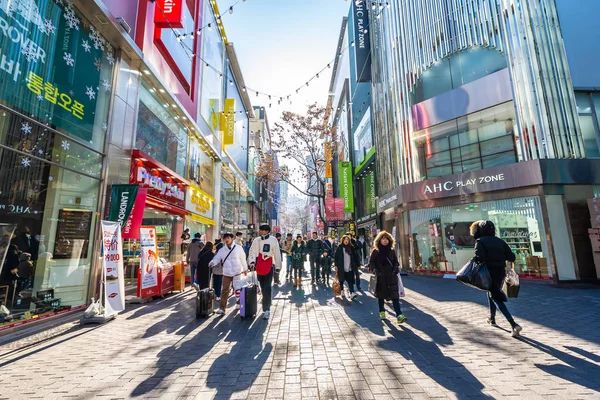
[248, 301]
[205, 300]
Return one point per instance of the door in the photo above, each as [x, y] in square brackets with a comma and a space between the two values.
[579, 217]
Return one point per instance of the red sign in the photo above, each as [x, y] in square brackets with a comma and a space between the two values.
[169, 13]
[158, 179]
[131, 230]
[334, 209]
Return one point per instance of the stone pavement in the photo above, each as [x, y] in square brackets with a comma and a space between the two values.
[315, 347]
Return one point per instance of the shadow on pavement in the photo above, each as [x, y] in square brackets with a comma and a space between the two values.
[428, 357]
[576, 370]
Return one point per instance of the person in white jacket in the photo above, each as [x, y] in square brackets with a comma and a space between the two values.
[234, 263]
[264, 251]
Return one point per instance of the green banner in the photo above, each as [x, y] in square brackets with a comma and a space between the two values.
[121, 203]
[371, 194]
[346, 188]
[54, 65]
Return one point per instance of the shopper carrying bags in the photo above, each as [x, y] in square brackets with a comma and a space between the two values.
[233, 261]
[494, 252]
[265, 257]
[385, 266]
[298, 254]
[346, 264]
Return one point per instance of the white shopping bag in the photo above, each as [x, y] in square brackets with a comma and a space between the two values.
[241, 281]
[401, 291]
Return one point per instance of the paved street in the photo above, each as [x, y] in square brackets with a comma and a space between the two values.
[316, 347]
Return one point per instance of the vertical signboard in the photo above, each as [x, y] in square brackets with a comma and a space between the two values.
[228, 122]
[346, 189]
[148, 285]
[362, 44]
[169, 13]
[121, 203]
[114, 282]
[371, 194]
[131, 230]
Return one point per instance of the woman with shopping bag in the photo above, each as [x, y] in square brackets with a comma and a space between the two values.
[494, 252]
[385, 266]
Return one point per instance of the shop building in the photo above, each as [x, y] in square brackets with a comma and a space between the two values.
[56, 78]
[497, 124]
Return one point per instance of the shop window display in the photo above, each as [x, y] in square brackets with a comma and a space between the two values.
[442, 241]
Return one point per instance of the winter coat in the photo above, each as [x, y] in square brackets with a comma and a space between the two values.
[268, 247]
[203, 270]
[298, 253]
[235, 264]
[326, 262]
[386, 269]
[25, 266]
[339, 260]
[494, 252]
[314, 247]
[193, 251]
[287, 246]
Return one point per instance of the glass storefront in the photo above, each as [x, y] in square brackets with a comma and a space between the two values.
[55, 90]
[442, 242]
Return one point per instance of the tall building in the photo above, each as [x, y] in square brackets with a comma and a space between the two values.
[487, 110]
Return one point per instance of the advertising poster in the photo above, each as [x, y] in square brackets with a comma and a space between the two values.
[122, 199]
[148, 262]
[114, 293]
[132, 226]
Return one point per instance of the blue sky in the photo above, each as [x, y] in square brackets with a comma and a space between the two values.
[282, 43]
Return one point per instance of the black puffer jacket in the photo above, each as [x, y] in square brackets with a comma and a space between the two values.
[386, 269]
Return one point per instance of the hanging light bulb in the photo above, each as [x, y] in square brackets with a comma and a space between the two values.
[231, 10]
[179, 38]
[230, 82]
[209, 27]
[199, 31]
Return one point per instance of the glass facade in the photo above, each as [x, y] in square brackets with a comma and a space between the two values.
[55, 91]
[588, 109]
[442, 242]
[238, 151]
[480, 140]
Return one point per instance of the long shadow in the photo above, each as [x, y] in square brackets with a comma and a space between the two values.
[179, 356]
[237, 370]
[176, 321]
[577, 370]
[536, 303]
[428, 357]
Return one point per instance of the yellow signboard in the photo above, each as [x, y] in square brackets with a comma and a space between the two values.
[228, 122]
[328, 151]
[328, 170]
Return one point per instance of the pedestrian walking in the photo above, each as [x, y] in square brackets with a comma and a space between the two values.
[356, 245]
[315, 249]
[326, 262]
[186, 238]
[232, 259]
[287, 249]
[218, 244]
[494, 252]
[385, 265]
[205, 256]
[298, 254]
[346, 263]
[265, 258]
[193, 251]
[278, 269]
[239, 240]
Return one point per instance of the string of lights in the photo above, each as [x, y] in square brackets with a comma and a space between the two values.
[280, 99]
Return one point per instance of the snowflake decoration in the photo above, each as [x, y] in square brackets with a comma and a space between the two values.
[106, 85]
[71, 93]
[98, 63]
[60, 2]
[26, 128]
[40, 97]
[86, 46]
[90, 92]
[26, 162]
[77, 177]
[48, 27]
[97, 39]
[50, 178]
[30, 53]
[99, 166]
[71, 18]
[110, 58]
[105, 126]
[65, 145]
[69, 59]
[40, 152]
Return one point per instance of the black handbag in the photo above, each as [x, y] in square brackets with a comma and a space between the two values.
[476, 275]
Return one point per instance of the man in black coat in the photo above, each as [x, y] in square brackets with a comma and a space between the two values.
[27, 243]
[315, 248]
[356, 245]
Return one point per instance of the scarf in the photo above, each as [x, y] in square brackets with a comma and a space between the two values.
[347, 248]
[384, 252]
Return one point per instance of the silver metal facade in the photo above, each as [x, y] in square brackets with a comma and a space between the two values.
[410, 36]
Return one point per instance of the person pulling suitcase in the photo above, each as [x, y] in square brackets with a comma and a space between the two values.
[265, 257]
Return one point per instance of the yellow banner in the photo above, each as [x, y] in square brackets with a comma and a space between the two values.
[228, 122]
[328, 170]
[328, 152]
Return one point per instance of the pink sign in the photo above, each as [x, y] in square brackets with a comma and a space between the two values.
[132, 227]
[335, 210]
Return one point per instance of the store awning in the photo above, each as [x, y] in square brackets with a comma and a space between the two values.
[202, 220]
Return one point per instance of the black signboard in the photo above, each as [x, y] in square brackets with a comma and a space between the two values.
[362, 44]
[72, 234]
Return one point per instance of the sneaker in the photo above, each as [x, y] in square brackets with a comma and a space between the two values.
[266, 315]
[219, 312]
[218, 299]
[237, 306]
[516, 331]
[401, 319]
[491, 321]
[382, 316]
[353, 296]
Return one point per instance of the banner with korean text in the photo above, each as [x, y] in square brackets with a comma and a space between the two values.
[112, 262]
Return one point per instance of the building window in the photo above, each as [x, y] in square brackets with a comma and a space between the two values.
[588, 107]
[480, 140]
